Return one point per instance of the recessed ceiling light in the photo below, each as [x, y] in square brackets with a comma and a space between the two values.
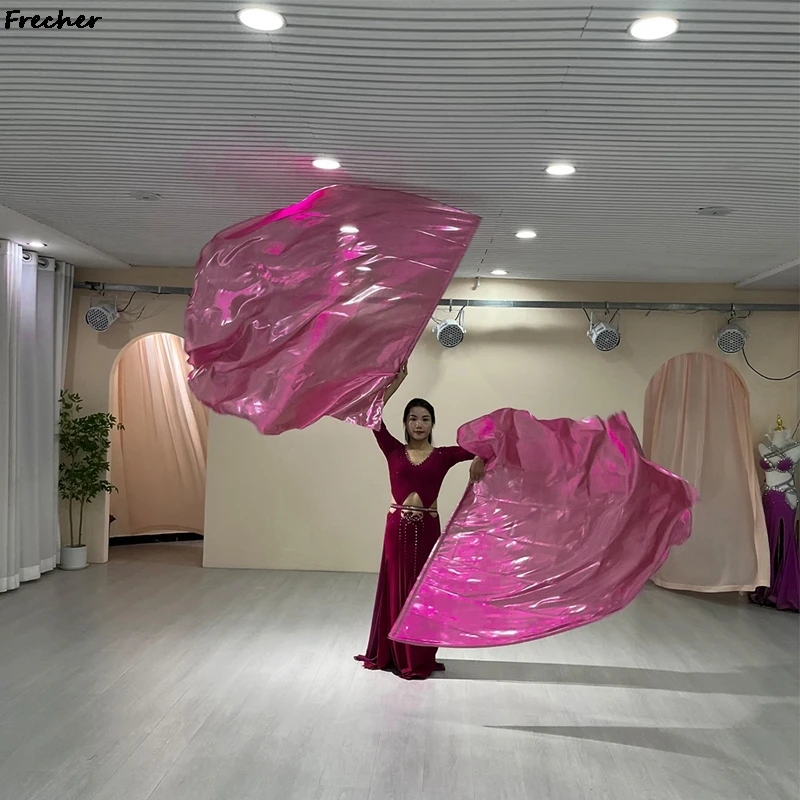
[714, 211]
[261, 19]
[326, 163]
[152, 196]
[364, 269]
[560, 169]
[499, 272]
[36, 243]
[348, 229]
[526, 234]
[649, 29]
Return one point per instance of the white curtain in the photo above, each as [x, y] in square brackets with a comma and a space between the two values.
[35, 298]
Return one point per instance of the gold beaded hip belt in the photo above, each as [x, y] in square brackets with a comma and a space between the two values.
[412, 511]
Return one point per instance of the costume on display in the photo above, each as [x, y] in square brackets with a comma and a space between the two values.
[779, 457]
[410, 536]
[566, 528]
[309, 311]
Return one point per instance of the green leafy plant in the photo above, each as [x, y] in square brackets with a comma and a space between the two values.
[84, 442]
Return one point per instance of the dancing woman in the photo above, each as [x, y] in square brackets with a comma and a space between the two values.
[416, 472]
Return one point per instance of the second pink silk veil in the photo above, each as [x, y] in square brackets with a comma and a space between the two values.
[310, 311]
[566, 528]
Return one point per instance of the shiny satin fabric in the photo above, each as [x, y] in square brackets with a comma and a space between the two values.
[294, 316]
[566, 528]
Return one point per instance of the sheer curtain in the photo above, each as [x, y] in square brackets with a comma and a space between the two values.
[158, 463]
[697, 424]
[35, 297]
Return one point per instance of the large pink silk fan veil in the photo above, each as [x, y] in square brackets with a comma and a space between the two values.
[310, 311]
[566, 528]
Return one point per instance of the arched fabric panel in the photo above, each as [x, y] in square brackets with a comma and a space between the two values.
[158, 462]
[697, 425]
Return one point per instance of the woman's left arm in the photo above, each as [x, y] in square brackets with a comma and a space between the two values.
[457, 455]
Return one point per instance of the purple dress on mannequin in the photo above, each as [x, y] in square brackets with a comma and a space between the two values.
[784, 589]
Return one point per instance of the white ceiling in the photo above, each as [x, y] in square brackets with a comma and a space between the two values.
[460, 100]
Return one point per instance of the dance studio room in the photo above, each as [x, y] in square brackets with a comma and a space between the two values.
[399, 400]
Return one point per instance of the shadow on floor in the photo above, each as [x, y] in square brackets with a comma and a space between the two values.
[695, 742]
[714, 743]
[753, 681]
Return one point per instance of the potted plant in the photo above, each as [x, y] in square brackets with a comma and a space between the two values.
[84, 442]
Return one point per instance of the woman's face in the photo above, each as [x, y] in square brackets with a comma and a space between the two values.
[419, 424]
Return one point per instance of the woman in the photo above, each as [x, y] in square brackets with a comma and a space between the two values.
[416, 472]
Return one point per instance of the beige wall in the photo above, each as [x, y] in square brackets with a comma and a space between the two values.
[316, 499]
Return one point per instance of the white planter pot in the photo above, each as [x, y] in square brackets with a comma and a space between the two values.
[74, 557]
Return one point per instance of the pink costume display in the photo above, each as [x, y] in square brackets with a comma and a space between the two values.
[310, 311]
[567, 527]
[783, 591]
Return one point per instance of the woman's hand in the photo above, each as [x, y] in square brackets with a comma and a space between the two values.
[477, 470]
[396, 383]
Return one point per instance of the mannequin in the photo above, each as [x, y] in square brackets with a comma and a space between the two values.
[779, 457]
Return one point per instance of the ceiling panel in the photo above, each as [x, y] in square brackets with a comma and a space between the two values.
[463, 101]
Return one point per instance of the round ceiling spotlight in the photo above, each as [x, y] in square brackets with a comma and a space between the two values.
[326, 163]
[525, 233]
[36, 243]
[731, 338]
[450, 333]
[604, 335]
[348, 229]
[499, 272]
[101, 318]
[650, 29]
[261, 19]
[714, 211]
[560, 169]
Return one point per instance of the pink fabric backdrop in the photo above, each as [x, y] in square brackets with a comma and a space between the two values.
[697, 424]
[158, 462]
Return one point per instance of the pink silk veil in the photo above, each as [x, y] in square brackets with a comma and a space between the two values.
[566, 528]
[294, 316]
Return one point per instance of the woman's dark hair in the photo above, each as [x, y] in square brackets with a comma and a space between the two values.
[418, 402]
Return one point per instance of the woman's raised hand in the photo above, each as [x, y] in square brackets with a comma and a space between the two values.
[477, 470]
[396, 383]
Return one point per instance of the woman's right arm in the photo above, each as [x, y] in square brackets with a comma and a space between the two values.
[386, 441]
[396, 383]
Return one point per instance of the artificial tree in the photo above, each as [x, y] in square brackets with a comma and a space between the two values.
[84, 442]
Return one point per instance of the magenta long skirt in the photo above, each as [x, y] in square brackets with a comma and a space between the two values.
[407, 544]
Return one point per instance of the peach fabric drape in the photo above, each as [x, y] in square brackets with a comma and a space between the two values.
[158, 462]
[697, 425]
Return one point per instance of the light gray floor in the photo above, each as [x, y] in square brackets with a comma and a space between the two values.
[153, 680]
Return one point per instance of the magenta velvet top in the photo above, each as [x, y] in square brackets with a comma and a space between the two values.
[424, 479]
